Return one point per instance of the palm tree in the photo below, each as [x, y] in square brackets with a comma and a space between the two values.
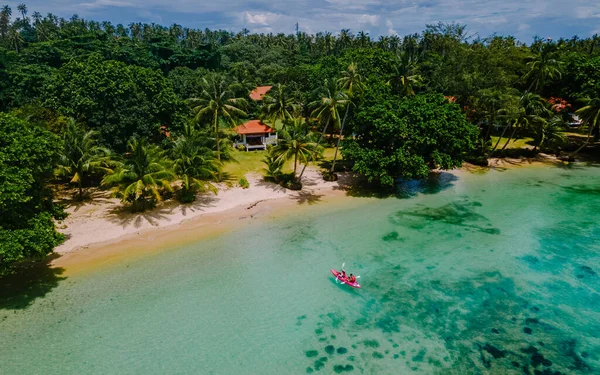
[273, 166]
[590, 115]
[352, 82]
[530, 112]
[5, 14]
[80, 155]
[326, 109]
[405, 77]
[549, 133]
[278, 105]
[216, 101]
[296, 142]
[141, 176]
[15, 38]
[195, 165]
[23, 9]
[542, 68]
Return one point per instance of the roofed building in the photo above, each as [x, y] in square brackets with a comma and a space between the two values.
[255, 134]
[259, 92]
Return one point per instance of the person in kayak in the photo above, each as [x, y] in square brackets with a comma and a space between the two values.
[352, 279]
[343, 275]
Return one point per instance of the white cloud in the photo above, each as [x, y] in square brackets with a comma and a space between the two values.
[378, 17]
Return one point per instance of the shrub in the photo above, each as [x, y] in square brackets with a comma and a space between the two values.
[244, 183]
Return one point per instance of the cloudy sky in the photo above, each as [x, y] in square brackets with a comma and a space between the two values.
[521, 18]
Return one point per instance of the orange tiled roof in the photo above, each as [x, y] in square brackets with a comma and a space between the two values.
[259, 92]
[254, 127]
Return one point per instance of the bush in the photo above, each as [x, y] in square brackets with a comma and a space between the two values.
[240, 147]
[244, 183]
[329, 176]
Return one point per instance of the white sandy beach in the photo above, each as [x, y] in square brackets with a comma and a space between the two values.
[104, 218]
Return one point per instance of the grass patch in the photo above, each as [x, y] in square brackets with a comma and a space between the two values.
[518, 143]
[252, 162]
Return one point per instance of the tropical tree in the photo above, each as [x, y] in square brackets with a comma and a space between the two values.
[15, 39]
[273, 166]
[5, 14]
[405, 77]
[590, 115]
[407, 137]
[195, 164]
[141, 176]
[529, 113]
[549, 133]
[81, 155]
[353, 83]
[27, 157]
[327, 108]
[296, 142]
[277, 104]
[216, 101]
[22, 8]
[542, 68]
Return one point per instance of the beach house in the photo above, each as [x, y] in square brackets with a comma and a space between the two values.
[255, 135]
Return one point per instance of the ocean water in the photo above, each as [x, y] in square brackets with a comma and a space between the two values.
[479, 273]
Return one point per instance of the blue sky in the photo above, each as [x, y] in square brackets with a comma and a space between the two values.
[521, 18]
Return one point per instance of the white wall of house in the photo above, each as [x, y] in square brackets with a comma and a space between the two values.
[265, 139]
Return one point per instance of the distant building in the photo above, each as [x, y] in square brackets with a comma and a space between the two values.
[259, 92]
[255, 134]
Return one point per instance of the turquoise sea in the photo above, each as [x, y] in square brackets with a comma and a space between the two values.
[478, 273]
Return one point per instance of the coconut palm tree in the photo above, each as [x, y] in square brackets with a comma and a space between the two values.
[22, 8]
[530, 112]
[217, 102]
[296, 142]
[590, 115]
[549, 133]
[353, 83]
[273, 166]
[15, 39]
[141, 176]
[327, 108]
[278, 105]
[80, 155]
[542, 68]
[5, 14]
[195, 164]
[405, 78]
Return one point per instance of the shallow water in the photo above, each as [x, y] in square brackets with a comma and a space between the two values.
[493, 273]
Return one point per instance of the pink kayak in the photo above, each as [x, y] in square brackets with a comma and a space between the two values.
[344, 280]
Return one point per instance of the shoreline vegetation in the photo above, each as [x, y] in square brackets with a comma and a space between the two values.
[132, 119]
[101, 230]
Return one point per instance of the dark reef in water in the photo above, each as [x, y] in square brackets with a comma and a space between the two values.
[459, 213]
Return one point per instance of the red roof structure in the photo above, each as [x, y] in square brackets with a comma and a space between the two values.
[259, 92]
[254, 127]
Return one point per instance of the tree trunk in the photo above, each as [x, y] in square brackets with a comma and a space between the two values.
[217, 135]
[510, 138]
[295, 162]
[587, 141]
[318, 143]
[337, 146]
[498, 142]
[489, 129]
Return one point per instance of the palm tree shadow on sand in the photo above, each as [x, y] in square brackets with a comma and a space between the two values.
[29, 282]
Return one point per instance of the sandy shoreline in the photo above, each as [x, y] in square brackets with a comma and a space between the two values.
[106, 231]
[98, 225]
